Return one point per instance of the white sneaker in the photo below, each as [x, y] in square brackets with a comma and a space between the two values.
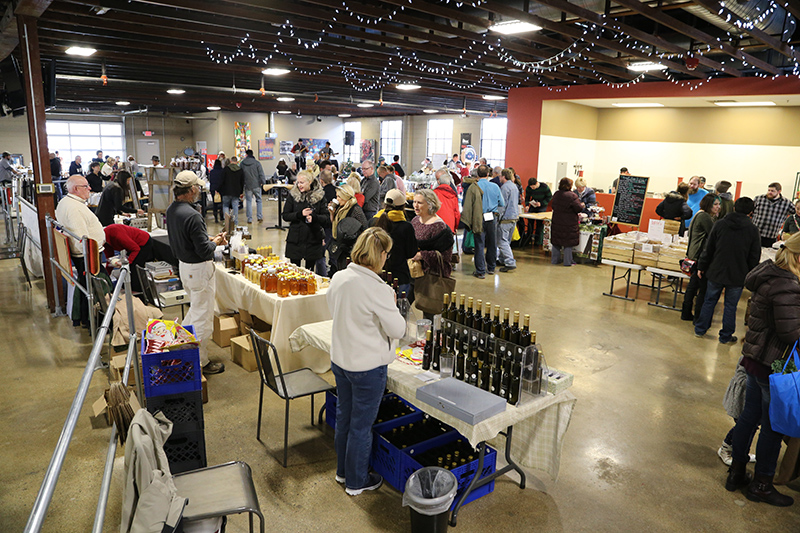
[373, 482]
[339, 479]
[725, 453]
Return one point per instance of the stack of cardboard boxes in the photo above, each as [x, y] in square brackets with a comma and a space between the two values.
[639, 249]
[234, 330]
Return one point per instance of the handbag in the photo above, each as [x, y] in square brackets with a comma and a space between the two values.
[784, 403]
[429, 290]
[688, 266]
[468, 245]
[415, 269]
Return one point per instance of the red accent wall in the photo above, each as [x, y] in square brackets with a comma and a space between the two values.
[649, 212]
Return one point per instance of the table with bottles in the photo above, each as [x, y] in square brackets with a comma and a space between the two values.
[284, 295]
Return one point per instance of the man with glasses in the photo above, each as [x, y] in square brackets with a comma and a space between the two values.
[370, 189]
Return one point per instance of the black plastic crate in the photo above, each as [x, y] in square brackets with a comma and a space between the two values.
[184, 410]
[186, 451]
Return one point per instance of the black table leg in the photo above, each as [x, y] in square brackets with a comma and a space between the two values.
[279, 225]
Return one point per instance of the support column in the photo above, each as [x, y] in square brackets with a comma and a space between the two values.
[34, 96]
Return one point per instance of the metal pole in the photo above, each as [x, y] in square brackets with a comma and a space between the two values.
[89, 288]
[133, 332]
[48, 224]
[45, 495]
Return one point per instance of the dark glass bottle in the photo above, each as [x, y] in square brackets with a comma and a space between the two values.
[483, 354]
[486, 327]
[436, 351]
[496, 324]
[471, 370]
[485, 375]
[451, 315]
[496, 377]
[388, 278]
[513, 388]
[470, 314]
[446, 307]
[505, 330]
[427, 352]
[396, 286]
[462, 312]
[525, 333]
[460, 364]
[514, 335]
[505, 380]
[477, 318]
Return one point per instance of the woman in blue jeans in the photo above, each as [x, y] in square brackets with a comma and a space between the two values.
[365, 320]
[772, 330]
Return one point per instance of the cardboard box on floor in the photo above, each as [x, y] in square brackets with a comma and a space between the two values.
[242, 352]
[99, 418]
[247, 321]
[225, 327]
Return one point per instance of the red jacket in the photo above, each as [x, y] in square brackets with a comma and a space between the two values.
[449, 212]
[121, 237]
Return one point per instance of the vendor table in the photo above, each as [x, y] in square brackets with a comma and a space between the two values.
[627, 277]
[278, 186]
[234, 292]
[540, 423]
[675, 281]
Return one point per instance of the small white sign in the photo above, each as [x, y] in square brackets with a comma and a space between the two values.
[648, 248]
[655, 230]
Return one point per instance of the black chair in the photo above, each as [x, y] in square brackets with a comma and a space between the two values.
[148, 298]
[291, 385]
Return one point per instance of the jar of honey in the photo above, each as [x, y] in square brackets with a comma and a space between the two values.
[294, 285]
[245, 262]
[311, 286]
[302, 285]
[272, 281]
[283, 286]
[263, 279]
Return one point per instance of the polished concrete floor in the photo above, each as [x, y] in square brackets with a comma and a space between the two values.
[639, 455]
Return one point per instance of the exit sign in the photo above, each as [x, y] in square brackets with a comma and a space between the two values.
[147, 133]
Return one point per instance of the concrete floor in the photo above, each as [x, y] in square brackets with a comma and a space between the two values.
[640, 453]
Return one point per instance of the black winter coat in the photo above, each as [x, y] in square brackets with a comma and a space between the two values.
[674, 207]
[232, 181]
[111, 203]
[564, 226]
[733, 248]
[304, 239]
[774, 322]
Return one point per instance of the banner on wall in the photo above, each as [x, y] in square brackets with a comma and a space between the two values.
[367, 150]
[286, 147]
[241, 139]
[266, 148]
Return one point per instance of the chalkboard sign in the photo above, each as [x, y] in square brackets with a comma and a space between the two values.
[629, 201]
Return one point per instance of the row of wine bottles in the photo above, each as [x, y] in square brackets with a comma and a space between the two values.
[416, 432]
[392, 407]
[480, 318]
[449, 456]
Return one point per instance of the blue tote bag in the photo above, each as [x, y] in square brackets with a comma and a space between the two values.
[784, 402]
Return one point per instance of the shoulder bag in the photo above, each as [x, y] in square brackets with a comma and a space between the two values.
[429, 290]
[784, 403]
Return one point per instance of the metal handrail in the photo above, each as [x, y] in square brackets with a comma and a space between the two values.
[45, 495]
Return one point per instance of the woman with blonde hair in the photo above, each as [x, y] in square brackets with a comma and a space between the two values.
[434, 236]
[354, 181]
[347, 223]
[365, 320]
[585, 194]
[772, 329]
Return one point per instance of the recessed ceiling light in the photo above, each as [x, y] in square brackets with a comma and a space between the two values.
[639, 104]
[493, 97]
[80, 51]
[213, 108]
[284, 112]
[344, 115]
[366, 105]
[743, 104]
[275, 71]
[285, 99]
[430, 111]
[123, 102]
[408, 86]
[176, 91]
[645, 66]
[511, 27]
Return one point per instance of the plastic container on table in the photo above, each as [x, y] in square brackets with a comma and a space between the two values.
[429, 493]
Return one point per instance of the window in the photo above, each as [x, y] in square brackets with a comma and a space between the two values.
[493, 141]
[84, 139]
[353, 151]
[391, 139]
[440, 139]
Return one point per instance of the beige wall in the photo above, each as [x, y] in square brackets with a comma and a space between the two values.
[173, 134]
[565, 119]
[14, 136]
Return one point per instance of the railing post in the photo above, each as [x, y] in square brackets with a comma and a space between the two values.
[89, 288]
[55, 277]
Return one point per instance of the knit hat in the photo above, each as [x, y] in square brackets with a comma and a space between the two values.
[722, 186]
[395, 198]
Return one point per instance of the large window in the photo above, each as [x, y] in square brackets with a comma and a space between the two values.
[84, 139]
[352, 152]
[440, 139]
[391, 139]
[493, 141]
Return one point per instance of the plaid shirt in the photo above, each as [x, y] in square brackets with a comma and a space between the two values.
[769, 215]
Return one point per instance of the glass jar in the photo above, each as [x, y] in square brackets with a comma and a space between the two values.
[263, 279]
[312, 285]
[303, 285]
[283, 286]
[295, 285]
[272, 281]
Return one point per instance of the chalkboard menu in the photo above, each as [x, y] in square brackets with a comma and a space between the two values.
[629, 201]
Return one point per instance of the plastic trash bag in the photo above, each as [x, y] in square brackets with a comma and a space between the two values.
[430, 491]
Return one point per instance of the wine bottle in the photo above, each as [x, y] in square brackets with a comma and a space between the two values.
[496, 324]
[505, 330]
[513, 388]
[470, 315]
[462, 313]
[505, 380]
[396, 286]
[445, 307]
[485, 375]
[471, 370]
[483, 354]
[477, 318]
[451, 315]
[514, 335]
[428, 351]
[460, 364]
[525, 333]
[486, 327]
[435, 352]
[496, 377]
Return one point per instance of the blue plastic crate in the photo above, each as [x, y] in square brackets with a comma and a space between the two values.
[386, 459]
[171, 372]
[330, 407]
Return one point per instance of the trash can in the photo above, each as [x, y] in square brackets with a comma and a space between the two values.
[429, 493]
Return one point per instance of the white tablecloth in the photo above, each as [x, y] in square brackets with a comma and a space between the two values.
[284, 314]
[539, 425]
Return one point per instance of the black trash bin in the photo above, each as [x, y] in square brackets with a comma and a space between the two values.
[430, 493]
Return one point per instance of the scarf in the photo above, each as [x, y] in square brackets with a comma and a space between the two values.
[441, 241]
[395, 215]
[341, 213]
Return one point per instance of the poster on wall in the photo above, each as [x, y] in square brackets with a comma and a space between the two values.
[466, 140]
[286, 147]
[367, 150]
[314, 145]
[241, 139]
[266, 148]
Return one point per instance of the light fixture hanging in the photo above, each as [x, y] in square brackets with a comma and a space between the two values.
[344, 115]
[122, 103]
[176, 91]
[380, 98]
[81, 51]
[645, 66]
[275, 71]
[263, 92]
[103, 75]
[408, 86]
[285, 99]
[213, 108]
[511, 27]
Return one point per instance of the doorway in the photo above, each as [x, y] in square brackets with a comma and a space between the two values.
[146, 149]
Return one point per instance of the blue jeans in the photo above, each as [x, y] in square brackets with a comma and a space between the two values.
[713, 291]
[359, 395]
[230, 204]
[755, 412]
[504, 234]
[486, 248]
[248, 195]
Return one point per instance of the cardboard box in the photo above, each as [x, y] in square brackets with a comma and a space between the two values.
[117, 368]
[204, 388]
[242, 351]
[672, 227]
[645, 259]
[99, 418]
[225, 327]
[247, 321]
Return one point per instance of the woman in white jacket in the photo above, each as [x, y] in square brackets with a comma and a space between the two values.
[365, 320]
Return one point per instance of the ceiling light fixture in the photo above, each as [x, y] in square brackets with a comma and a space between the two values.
[175, 91]
[80, 51]
[284, 112]
[731, 103]
[430, 111]
[344, 115]
[493, 97]
[123, 103]
[365, 105]
[285, 99]
[638, 104]
[408, 86]
[275, 71]
[511, 27]
[213, 108]
[646, 66]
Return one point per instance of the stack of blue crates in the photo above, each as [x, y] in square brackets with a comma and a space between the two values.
[172, 384]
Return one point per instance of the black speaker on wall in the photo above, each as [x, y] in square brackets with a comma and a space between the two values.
[349, 138]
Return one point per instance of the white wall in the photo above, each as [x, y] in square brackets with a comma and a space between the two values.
[553, 149]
